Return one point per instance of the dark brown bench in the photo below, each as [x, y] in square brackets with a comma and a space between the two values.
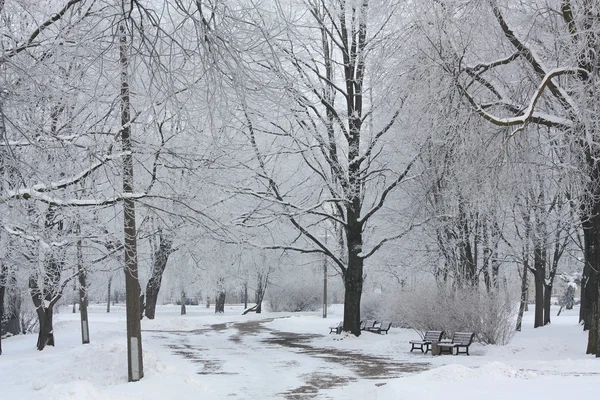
[384, 326]
[459, 340]
[337, 329]
[428, 337]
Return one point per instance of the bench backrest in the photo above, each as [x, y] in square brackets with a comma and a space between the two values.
[431, 336]
[370, 323]
[385, 325]
[464, 338]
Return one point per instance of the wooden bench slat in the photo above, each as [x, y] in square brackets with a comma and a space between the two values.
[459, 341]
[428, 338]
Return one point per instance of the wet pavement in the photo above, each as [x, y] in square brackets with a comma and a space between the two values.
[346, 366]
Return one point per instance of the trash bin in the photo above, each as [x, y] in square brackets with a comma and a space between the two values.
[435, 349]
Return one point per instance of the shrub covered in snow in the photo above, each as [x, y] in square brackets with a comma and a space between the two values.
[567, 299]
[491, 315]
[296, 295]
[371, 306]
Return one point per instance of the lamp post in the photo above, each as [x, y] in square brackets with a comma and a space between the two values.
[325, 280]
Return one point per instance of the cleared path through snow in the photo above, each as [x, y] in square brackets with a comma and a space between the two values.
[283, 364]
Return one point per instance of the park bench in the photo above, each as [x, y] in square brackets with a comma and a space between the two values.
[384, 326]
[337, 329]
[428, 338]
[367, 325]
[459, 340]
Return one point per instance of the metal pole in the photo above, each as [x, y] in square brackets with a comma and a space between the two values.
[325, 281]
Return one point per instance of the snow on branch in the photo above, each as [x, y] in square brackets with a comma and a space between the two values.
[276, 194]
[30, 42]
[529, 115]
[536, 62]
[387, 191]
[288, 206]
[69, 139]
[375, 140]
[40, 190]
[392, 238]
[55, 201]
[482, 67]
[16, 231]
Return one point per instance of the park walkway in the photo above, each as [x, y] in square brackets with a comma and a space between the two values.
[273, 356]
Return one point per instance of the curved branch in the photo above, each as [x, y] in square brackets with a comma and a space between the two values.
[29, 42]
[529, 115]
[387, 191]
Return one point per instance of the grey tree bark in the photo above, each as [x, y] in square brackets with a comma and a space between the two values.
[132, 285]
[83, 299]
[183, 300]
[108, 294]
[220, 296]
[163, 250]
[3, 277]
[579, 21]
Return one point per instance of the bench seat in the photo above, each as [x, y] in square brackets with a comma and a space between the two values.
[381, 327]
[459, 340]
[428, 338]
[337, 329]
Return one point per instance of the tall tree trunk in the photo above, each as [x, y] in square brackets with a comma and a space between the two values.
[245, 295]
[220, 301]
[13, 305]
[160, 258]
[261, 285]
[597, 319]
[108, 295]
[487, 256]
[353, 277]
[524, 290]
[325, 286]
[468, 262]
[135, 370]
[589, 283]
[183, 300]
[496, 233]
[44, 306]
[547, 303]
[539, 275]
[83, 300]
[3, 277]
[559, 246]
[45, 298]
[46, 333]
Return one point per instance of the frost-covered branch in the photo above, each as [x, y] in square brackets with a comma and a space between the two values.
[30, 42]
[530, 114]
[536, 63]
[39, 191]
[314, 209]
[387, 191]
[392, 238]
[482, 67]
[274, 189]
[19, 232]
[28, 194]
[376, 138]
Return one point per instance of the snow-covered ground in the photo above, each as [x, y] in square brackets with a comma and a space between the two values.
[283, 355]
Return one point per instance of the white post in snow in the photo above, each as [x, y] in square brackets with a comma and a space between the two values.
[135, 364]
